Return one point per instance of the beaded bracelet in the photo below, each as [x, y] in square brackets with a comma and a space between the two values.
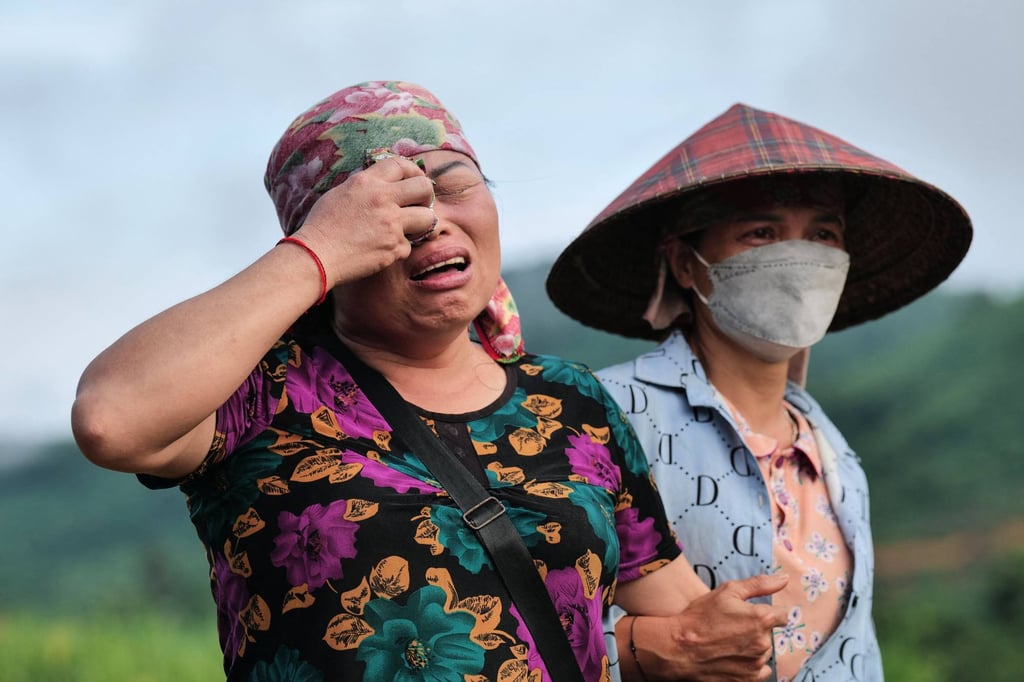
[632, 649]
[316, 259]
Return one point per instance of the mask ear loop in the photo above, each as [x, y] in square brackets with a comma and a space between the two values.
[666, 303]
[707, 266]
[797, 370]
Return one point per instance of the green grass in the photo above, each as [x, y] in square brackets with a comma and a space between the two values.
[139, 648]
[932, 628]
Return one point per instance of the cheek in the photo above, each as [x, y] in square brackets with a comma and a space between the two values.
[480, 221]
[484, 232]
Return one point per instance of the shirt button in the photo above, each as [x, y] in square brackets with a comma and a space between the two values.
[760, 499]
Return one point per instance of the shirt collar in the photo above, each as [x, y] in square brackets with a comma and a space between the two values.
[673, 365]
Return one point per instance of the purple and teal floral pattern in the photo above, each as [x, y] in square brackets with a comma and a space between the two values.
[231, 594]
[355, 416]
[335, 555]
[312, 545]
[287, 666]
[580, 612]
[462, 543]
[420, 640]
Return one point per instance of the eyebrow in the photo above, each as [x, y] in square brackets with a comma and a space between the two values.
[441, 170]
[825, 217]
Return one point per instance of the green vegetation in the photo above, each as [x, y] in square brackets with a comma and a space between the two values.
[966, 626]
[938, 414]
[101, 579]
[137, 647]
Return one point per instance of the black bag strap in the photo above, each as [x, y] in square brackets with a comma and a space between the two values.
[481, 511]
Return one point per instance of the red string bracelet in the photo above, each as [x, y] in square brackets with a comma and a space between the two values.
[316, 259]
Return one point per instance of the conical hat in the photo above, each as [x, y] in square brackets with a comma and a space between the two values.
[904, 235]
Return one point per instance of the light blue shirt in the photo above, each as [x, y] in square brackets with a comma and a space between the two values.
[717, 501]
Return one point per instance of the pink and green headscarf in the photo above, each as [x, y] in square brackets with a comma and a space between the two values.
[328, 143]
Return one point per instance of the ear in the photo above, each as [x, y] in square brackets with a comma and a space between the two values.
[681, 262]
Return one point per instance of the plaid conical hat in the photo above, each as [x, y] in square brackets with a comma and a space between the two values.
[904, 236]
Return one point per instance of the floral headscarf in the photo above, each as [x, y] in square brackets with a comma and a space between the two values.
[328, 143]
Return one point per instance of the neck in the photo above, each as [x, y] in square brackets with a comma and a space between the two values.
[447, 374]
[756, 388]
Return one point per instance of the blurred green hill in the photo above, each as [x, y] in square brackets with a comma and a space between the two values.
[929, 397]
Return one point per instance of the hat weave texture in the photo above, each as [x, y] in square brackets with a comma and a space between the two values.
[904, 235]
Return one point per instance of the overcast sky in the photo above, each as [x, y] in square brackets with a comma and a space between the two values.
[135, 134]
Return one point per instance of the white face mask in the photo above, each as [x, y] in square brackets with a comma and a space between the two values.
[777, 299]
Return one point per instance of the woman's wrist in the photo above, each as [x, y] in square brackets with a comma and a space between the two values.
[634, 659]
[633, 649]
[316, 260]
[650, 649]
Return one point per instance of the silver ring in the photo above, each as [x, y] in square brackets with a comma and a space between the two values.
[372, 156]
[422, 237]
[425, 235]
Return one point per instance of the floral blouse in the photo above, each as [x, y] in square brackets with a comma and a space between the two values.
[335, 555]
[808, 541]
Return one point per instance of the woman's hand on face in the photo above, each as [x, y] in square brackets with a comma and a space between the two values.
[364, 225]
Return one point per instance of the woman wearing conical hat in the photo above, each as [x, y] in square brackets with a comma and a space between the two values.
[739, 250]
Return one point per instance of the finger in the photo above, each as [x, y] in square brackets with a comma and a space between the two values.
[424, 236]
[414, 192]
[780, 616]
[757, 586]
[735, 668]
[421, 220]
[394, 168]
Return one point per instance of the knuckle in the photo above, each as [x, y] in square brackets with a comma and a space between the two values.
[377, 201]
[359, 180]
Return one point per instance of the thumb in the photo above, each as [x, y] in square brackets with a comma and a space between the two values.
[758, 585]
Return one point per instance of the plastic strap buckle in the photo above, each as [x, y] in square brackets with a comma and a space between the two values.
[482, 513]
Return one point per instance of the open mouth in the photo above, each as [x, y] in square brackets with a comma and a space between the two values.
[458, 263]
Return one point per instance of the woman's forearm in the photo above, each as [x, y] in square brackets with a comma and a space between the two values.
[142, 398]
[664, 592]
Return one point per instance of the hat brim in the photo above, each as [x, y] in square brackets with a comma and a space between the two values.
[904, 236]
